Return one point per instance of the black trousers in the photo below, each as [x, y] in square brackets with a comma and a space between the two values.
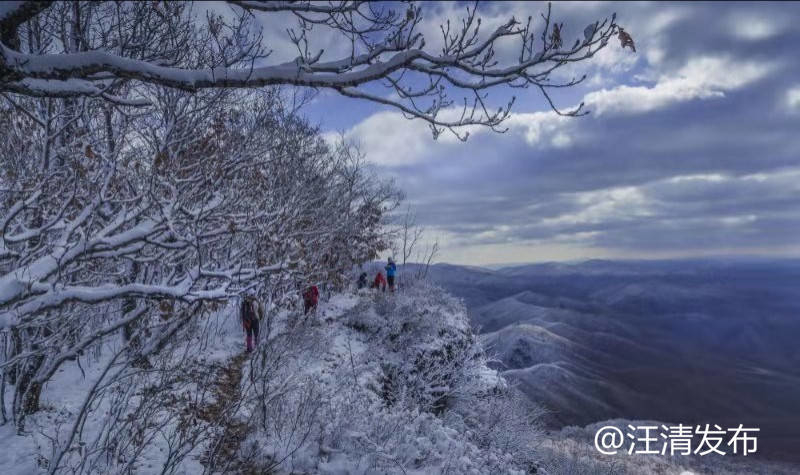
[253, 330]
[390, 279]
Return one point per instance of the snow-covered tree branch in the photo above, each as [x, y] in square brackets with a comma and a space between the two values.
[114, 220]
[445, 85]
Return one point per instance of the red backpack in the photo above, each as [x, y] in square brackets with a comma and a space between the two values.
[312, 295]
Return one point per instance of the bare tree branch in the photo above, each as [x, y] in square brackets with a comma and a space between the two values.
[385, 47]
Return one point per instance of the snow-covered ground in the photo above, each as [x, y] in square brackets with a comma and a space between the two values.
[364, 424]
[370, 383]
[65, 395]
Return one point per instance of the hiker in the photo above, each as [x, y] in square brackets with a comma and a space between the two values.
[362, 280]
[379, 282]
[249, 314]
[391, 269]
[310, 299]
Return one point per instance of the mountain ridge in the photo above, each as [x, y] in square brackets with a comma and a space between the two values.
[685, 341]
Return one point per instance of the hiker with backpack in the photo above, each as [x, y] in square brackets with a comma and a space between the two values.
[391, 270]
[379, 282]
[250, 312]
[310, 299]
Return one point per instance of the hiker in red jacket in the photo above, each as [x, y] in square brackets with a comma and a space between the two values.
[250, 314]
[379, 282]
[310, 299]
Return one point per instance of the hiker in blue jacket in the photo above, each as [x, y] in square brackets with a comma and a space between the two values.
[391, 269]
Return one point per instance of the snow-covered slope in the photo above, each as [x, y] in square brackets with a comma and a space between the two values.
[370, 383]
[398, 384]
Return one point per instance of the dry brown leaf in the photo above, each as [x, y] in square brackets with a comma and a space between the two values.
[626, 40]
[161, 158]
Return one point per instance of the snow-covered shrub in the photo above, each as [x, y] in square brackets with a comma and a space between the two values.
[136, 413]
[382, 440]
[360, 434]
[443, 369]
[321, 402]
[382, 305]
[436, 358]
[367, 318]
[436, 365]
[500, 420]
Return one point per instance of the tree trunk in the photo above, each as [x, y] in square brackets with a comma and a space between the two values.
[27, 392]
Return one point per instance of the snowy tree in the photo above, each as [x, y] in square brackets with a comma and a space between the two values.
[96, 49]
[129, 221]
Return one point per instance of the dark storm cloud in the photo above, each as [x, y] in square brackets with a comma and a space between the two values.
[692, 147]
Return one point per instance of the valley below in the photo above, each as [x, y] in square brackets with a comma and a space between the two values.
[688, 341]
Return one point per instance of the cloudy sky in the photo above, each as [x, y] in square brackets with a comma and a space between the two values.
[692, 147]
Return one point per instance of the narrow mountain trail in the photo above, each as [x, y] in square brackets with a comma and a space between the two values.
[225, 453]
[221, 455]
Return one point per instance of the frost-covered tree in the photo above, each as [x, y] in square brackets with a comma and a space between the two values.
[118, 220]
[80, 49]
[196, 201]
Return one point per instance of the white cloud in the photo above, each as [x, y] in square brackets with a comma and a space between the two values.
[617, 59]
[539, 126]
[752, 27]
[561, 140]
[793, 98]
[710, 177]
[700, 78]
[387, 138]
[604, 205]
[663, 19]
[787, 178]
[738, 220]
[655, 54]
[516, 252]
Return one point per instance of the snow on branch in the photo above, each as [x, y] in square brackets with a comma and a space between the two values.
[445, 87]
[118, 222]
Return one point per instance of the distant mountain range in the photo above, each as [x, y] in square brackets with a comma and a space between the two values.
[684, 341]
